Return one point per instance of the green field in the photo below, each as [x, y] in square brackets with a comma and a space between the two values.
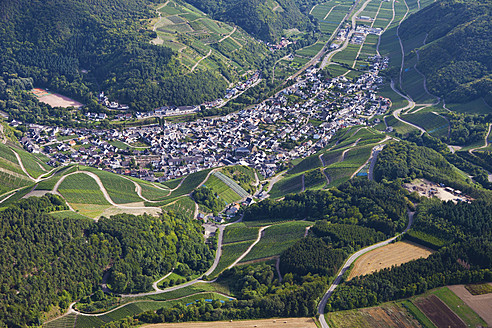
[277, 238]
[459, 307]
[222, 190]
[82, 189]
[417, 314]
[239, 232]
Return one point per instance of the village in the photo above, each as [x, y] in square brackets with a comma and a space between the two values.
[295, 123]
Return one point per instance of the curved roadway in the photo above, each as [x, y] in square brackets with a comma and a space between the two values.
[346, 266]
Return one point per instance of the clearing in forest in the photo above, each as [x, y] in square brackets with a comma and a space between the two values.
[387, 256]
[55, 99]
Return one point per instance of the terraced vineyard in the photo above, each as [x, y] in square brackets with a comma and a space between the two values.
[81, 189]
[140, 307]
[190, 183]
[120, 190]
[11, 174]
[277, 238]
[152, 193]
[286, 186]
[34, 164]
[435, 125]
[203, 43]
[239, 232]
[230, 253]
[184, 205]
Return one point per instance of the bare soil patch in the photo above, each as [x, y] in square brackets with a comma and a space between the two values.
[265, 323]
[439, 313]
[481, 304]
[387, 256]
[430, 189]
[55, 99]
[387, 315]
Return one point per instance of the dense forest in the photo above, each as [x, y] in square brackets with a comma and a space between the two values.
[82, 47]
[48, 261]
[475, 164]
[258, 17]
[405, 159]
[359, 201]
[206, 198]
[456, 57]
[259, 294]
[467, 129]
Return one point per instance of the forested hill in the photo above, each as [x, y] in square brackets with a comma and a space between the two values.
[264, 19]
[456, 59]
[78, 46]
[47, 261]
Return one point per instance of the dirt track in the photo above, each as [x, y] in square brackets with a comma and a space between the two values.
[266, 323]
[481, 304]
[387, 256]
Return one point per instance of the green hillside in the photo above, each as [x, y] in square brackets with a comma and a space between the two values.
[203, 43]
[79, 48]
[263, 19]
[456, 55]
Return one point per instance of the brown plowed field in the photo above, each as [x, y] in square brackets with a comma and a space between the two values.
[265, 323]
[481, 304]
[387, 256]
[439, 313]
[385, 316]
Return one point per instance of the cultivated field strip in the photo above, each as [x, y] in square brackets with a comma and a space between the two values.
[232, 184]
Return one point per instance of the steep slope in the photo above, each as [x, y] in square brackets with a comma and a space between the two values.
[456, 55]
[76, 47]
[264, 19]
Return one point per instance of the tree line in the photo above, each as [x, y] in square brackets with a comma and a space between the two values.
[48, 261]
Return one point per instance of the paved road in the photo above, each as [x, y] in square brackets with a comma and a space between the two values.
[411, 104]
[346, 266]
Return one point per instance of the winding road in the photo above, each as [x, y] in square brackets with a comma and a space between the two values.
[346, 266]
